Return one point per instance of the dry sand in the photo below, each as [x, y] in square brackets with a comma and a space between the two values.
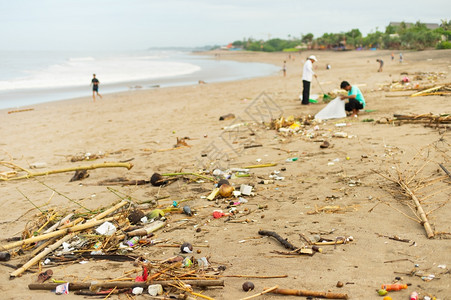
[137, 124]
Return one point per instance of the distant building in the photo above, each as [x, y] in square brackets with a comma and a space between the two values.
[431, 26]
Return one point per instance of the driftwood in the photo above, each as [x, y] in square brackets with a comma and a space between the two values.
[423, 118]
[60, 232]
[306, 293]
[40, 256]
[424, 219]
[122, 284]
[284, 242]
[44, 173]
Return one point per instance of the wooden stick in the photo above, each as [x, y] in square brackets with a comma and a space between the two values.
[262, 293]
[40, 256]
[90, 167]
[305, 293]
[284, 242]
[107, 285]
[420, 210]
[55, 233]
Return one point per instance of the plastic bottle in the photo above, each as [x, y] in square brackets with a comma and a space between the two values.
[133, 241]
[414, 296]
[393, 287]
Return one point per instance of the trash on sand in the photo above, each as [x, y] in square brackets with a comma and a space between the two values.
[106, 228]
[62, 289]
[335, 109]
[246, 189]
[155, 289]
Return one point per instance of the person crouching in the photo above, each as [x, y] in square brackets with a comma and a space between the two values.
[355, 96]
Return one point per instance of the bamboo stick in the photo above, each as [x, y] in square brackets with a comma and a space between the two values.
[40, 256]
[305, 293]
[90, 167]
[420, 210]
[426, 91]
[108, 211]
[260, 166]
[262, 293]
[55, 233]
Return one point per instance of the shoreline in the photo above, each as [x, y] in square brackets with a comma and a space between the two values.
[211, 71]
[142, 127]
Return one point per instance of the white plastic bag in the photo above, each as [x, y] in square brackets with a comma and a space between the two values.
[334, 110]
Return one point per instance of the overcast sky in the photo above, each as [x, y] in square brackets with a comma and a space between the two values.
[140, 24]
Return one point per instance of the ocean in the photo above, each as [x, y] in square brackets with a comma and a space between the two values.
[32, 77]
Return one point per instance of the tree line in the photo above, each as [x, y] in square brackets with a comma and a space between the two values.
[405, 36]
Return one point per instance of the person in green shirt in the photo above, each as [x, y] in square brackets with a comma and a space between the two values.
[355, 96]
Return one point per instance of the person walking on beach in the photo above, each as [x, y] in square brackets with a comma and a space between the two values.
[355, 96]
[284, 68]
[95, 87]
[307, 75]
[400, 58]
[381, 64]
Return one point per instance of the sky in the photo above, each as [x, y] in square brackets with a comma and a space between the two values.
[142, 24]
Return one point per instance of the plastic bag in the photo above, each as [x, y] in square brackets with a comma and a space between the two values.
[334, 110]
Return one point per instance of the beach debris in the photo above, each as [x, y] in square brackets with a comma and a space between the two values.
[87, 156]
[248, 286]
[226, 190]
[44, 276]
[20, 110]
[157, 179]
[79, 175]
[226, 117]
[429, 120]
[5, 256]
[295, 250]
[307, 293]
[186, 248]
[417, 188]
[123, 181]
[135, 216]
[324, 145]
[442, 90]
[269, 290]
[181, 142]
[30, 174]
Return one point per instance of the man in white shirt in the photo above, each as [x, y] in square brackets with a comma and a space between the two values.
[307, 75]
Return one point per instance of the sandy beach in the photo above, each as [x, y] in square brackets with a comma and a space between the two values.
[346, 190]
